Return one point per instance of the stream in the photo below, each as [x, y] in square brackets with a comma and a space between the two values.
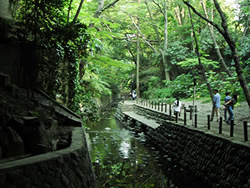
[121, 159]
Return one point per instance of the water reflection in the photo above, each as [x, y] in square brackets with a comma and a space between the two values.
[120, 159]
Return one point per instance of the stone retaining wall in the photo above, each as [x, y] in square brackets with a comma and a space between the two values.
[67, 168]
[213, 160]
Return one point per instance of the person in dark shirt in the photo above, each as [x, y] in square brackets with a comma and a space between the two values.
[226, 99]
[230, 105]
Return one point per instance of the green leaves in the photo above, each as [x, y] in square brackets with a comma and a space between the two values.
[190, 63]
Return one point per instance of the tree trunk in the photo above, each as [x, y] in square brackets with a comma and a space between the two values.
[227, 36]
[164, 58]
[202, 68]
[78, 11]
[69, 10]
[151, 18]
[221, 60]
[138, 66]
[99, 9]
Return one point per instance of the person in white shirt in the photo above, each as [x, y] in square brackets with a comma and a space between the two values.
[177, 106]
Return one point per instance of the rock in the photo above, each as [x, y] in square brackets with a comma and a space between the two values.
[16, 124]
[12, 143]
[62, 143]
[51, 123]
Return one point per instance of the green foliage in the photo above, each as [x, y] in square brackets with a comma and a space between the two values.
[182, 87]
[108, 46]
[115, 73]
[176, 52]
[191, 63]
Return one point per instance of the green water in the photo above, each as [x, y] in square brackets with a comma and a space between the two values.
[120, 159]
[123, 160]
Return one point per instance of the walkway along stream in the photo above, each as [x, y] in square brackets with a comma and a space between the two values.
[123, 159]
[216, 160]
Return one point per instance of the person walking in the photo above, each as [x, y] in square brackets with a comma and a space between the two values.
[230, 105]
[134, 95]
[226, 99]
[177, 106]
[216, 105]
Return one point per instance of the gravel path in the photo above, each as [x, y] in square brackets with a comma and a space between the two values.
[241, 110]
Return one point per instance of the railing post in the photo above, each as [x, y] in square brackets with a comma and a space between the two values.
[208, 122]
[195, 120]
[158, 105]
[170, 112]
[232, 128]
[245, 131]
[220, 126]
[162, 106]
[165, 107]
[191, 113]
[185, 116]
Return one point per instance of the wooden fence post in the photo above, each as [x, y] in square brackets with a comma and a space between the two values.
[232, 128]
[208, 122]
[185, 116]
[245, 131]
[220, 126]
[195, 120]
[170, 111]
[191, 113]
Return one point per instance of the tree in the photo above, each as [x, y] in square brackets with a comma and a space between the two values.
[227, 36]
[201, 67]
[223, 64]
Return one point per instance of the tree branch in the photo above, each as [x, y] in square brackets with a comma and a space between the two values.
[209, 21]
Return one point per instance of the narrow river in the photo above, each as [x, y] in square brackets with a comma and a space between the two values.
[121, 159]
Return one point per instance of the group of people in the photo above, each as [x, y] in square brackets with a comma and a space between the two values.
[229, 103]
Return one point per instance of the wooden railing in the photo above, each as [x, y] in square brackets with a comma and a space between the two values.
[194, 117]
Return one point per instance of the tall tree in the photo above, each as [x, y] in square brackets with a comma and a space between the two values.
[210, 27]
[201, 67]
[227, 36]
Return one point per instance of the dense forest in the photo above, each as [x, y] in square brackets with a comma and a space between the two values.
[98, 49]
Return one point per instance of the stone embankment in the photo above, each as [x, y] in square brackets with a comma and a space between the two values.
[66, 168]
[215, 161]
[42, 143]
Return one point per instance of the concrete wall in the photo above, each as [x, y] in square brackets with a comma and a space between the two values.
[67, 168]
[215, 161]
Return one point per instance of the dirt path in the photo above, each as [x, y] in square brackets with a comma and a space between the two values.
[241, 110]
